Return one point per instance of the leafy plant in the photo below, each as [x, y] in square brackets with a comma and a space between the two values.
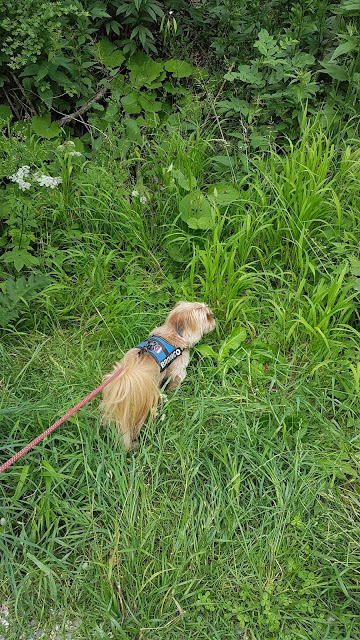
[137, 14]
[37, 60]
[16, 295]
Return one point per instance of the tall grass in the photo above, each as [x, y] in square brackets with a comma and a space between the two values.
[237, 517]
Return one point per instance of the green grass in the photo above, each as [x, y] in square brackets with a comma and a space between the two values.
[238, 515]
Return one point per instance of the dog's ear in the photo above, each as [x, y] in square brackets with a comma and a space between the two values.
[179, 328]
[210, 316]
[182, 322]
[177, 320]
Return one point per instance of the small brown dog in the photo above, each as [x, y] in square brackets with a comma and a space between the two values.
[129, 399]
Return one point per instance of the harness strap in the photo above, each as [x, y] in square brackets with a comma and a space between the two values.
[161, 350]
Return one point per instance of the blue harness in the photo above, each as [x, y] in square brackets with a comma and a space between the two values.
[162, 351]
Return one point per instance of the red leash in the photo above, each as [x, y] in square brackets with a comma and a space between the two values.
[56, 424]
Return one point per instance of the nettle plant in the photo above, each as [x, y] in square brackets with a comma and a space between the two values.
[272, 86]
[294, 71]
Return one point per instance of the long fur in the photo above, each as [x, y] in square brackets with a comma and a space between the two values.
[135, 393]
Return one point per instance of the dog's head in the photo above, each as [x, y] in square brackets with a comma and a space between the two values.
[191, 320]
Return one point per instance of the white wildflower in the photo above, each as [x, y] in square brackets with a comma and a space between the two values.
[19, 176]
[135, 194]
[69, 144]
[24, 186]
[21, 173]
[170, 13]
[47, 181]
[143, 200]
[2, 522]
[4, 614]
[74, 153]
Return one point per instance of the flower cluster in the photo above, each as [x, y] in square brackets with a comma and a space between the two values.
[40, 178]
[135, 194]
[19, 176]
[47, 181]
[68, 147]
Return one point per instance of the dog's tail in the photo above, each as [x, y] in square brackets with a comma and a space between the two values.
[129, 399]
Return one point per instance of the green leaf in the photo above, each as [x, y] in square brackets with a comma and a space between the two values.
[149, 103]
[184, 182]
[98, 10]
[54, 474]
[107, 55]
[349, 6]
[259, 142]
[30, 70]
[174, 90]
[39, 564]
[232, 343]
[343, 469]
[179, 68]
[98, 107]
[133, 132]
[207, 351]
[157, 83]
[345, 47]
[44, 128]
[21, 482]
[115, 27]
[265, 43]
[130, 103]
[61, 61]
[114, 60]
[302, 60]
[112, 112]
[256, 368]
[196, 211]
[355, 266]
[123, 146]
[250, 75]
[6, 315]
[143, 70]
[228, 107]
[152, 120]
[177, 253]
[223, 194]
[334, 70]
[43, 70]
[225, 161]
[47, 96]
[20, 258]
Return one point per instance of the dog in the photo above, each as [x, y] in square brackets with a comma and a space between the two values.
[135, 393]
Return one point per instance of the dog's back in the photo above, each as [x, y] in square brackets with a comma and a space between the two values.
[132, 395]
